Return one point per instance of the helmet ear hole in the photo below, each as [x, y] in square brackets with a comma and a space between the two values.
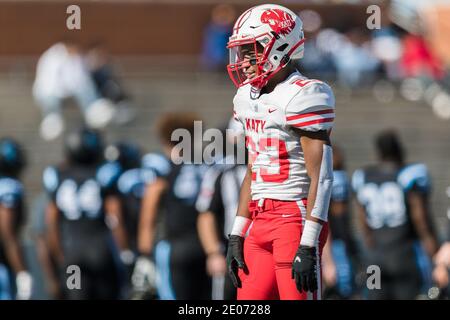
[282, 47]
[276, 35]
[285, 60]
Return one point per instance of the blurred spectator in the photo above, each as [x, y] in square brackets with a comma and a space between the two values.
[61, 73]
[355, 63]
[107, 82]
[417, 60]
[392, 202]
[420, 27]
[387, 47]
[214, 56]
[318, 60]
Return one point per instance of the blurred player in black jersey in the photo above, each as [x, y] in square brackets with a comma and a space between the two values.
[392, 202]
[80, 225]
[15, 280]
[132, 185]
[178, 254]
[217, 204]
[125, 176]
[340, 254]
[120, 158]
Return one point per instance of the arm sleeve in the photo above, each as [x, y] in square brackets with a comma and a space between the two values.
[11, 193]
[312, 109]
[107, 176]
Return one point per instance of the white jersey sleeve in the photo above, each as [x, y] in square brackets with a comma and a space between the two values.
[312, 108]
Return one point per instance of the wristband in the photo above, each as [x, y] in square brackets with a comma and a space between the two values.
[310, 233]
[240, 226]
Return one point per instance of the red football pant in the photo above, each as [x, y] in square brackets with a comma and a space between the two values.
[269, 251]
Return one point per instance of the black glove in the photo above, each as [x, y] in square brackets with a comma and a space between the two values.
[304, 269]
[235, 258]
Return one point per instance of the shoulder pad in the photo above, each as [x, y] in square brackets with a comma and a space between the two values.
[108, 174]
[131, 178]
[156, 162]
[312, 107]
[11, 190]
[286, 91]
[10, 185]
[415, 176]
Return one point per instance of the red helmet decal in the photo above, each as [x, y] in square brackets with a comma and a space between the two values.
[280, 21]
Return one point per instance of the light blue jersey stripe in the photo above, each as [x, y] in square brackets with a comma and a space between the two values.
[162, 259]
[5, 287]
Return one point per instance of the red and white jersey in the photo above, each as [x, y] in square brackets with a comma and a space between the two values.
[275, 152]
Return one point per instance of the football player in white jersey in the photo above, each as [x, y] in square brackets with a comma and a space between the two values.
[285, 195]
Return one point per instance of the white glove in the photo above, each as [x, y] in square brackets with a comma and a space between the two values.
[127, 257]
[24, 284]
[144, 274]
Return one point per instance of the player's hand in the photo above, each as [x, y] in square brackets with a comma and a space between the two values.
[329, 274]
[304, 269]
[145, 275]
[235, 258]
[442, 257]
[441, 276]
[216, 265]
[24, 283]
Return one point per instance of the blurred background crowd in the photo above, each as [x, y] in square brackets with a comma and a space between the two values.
[130, 75]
